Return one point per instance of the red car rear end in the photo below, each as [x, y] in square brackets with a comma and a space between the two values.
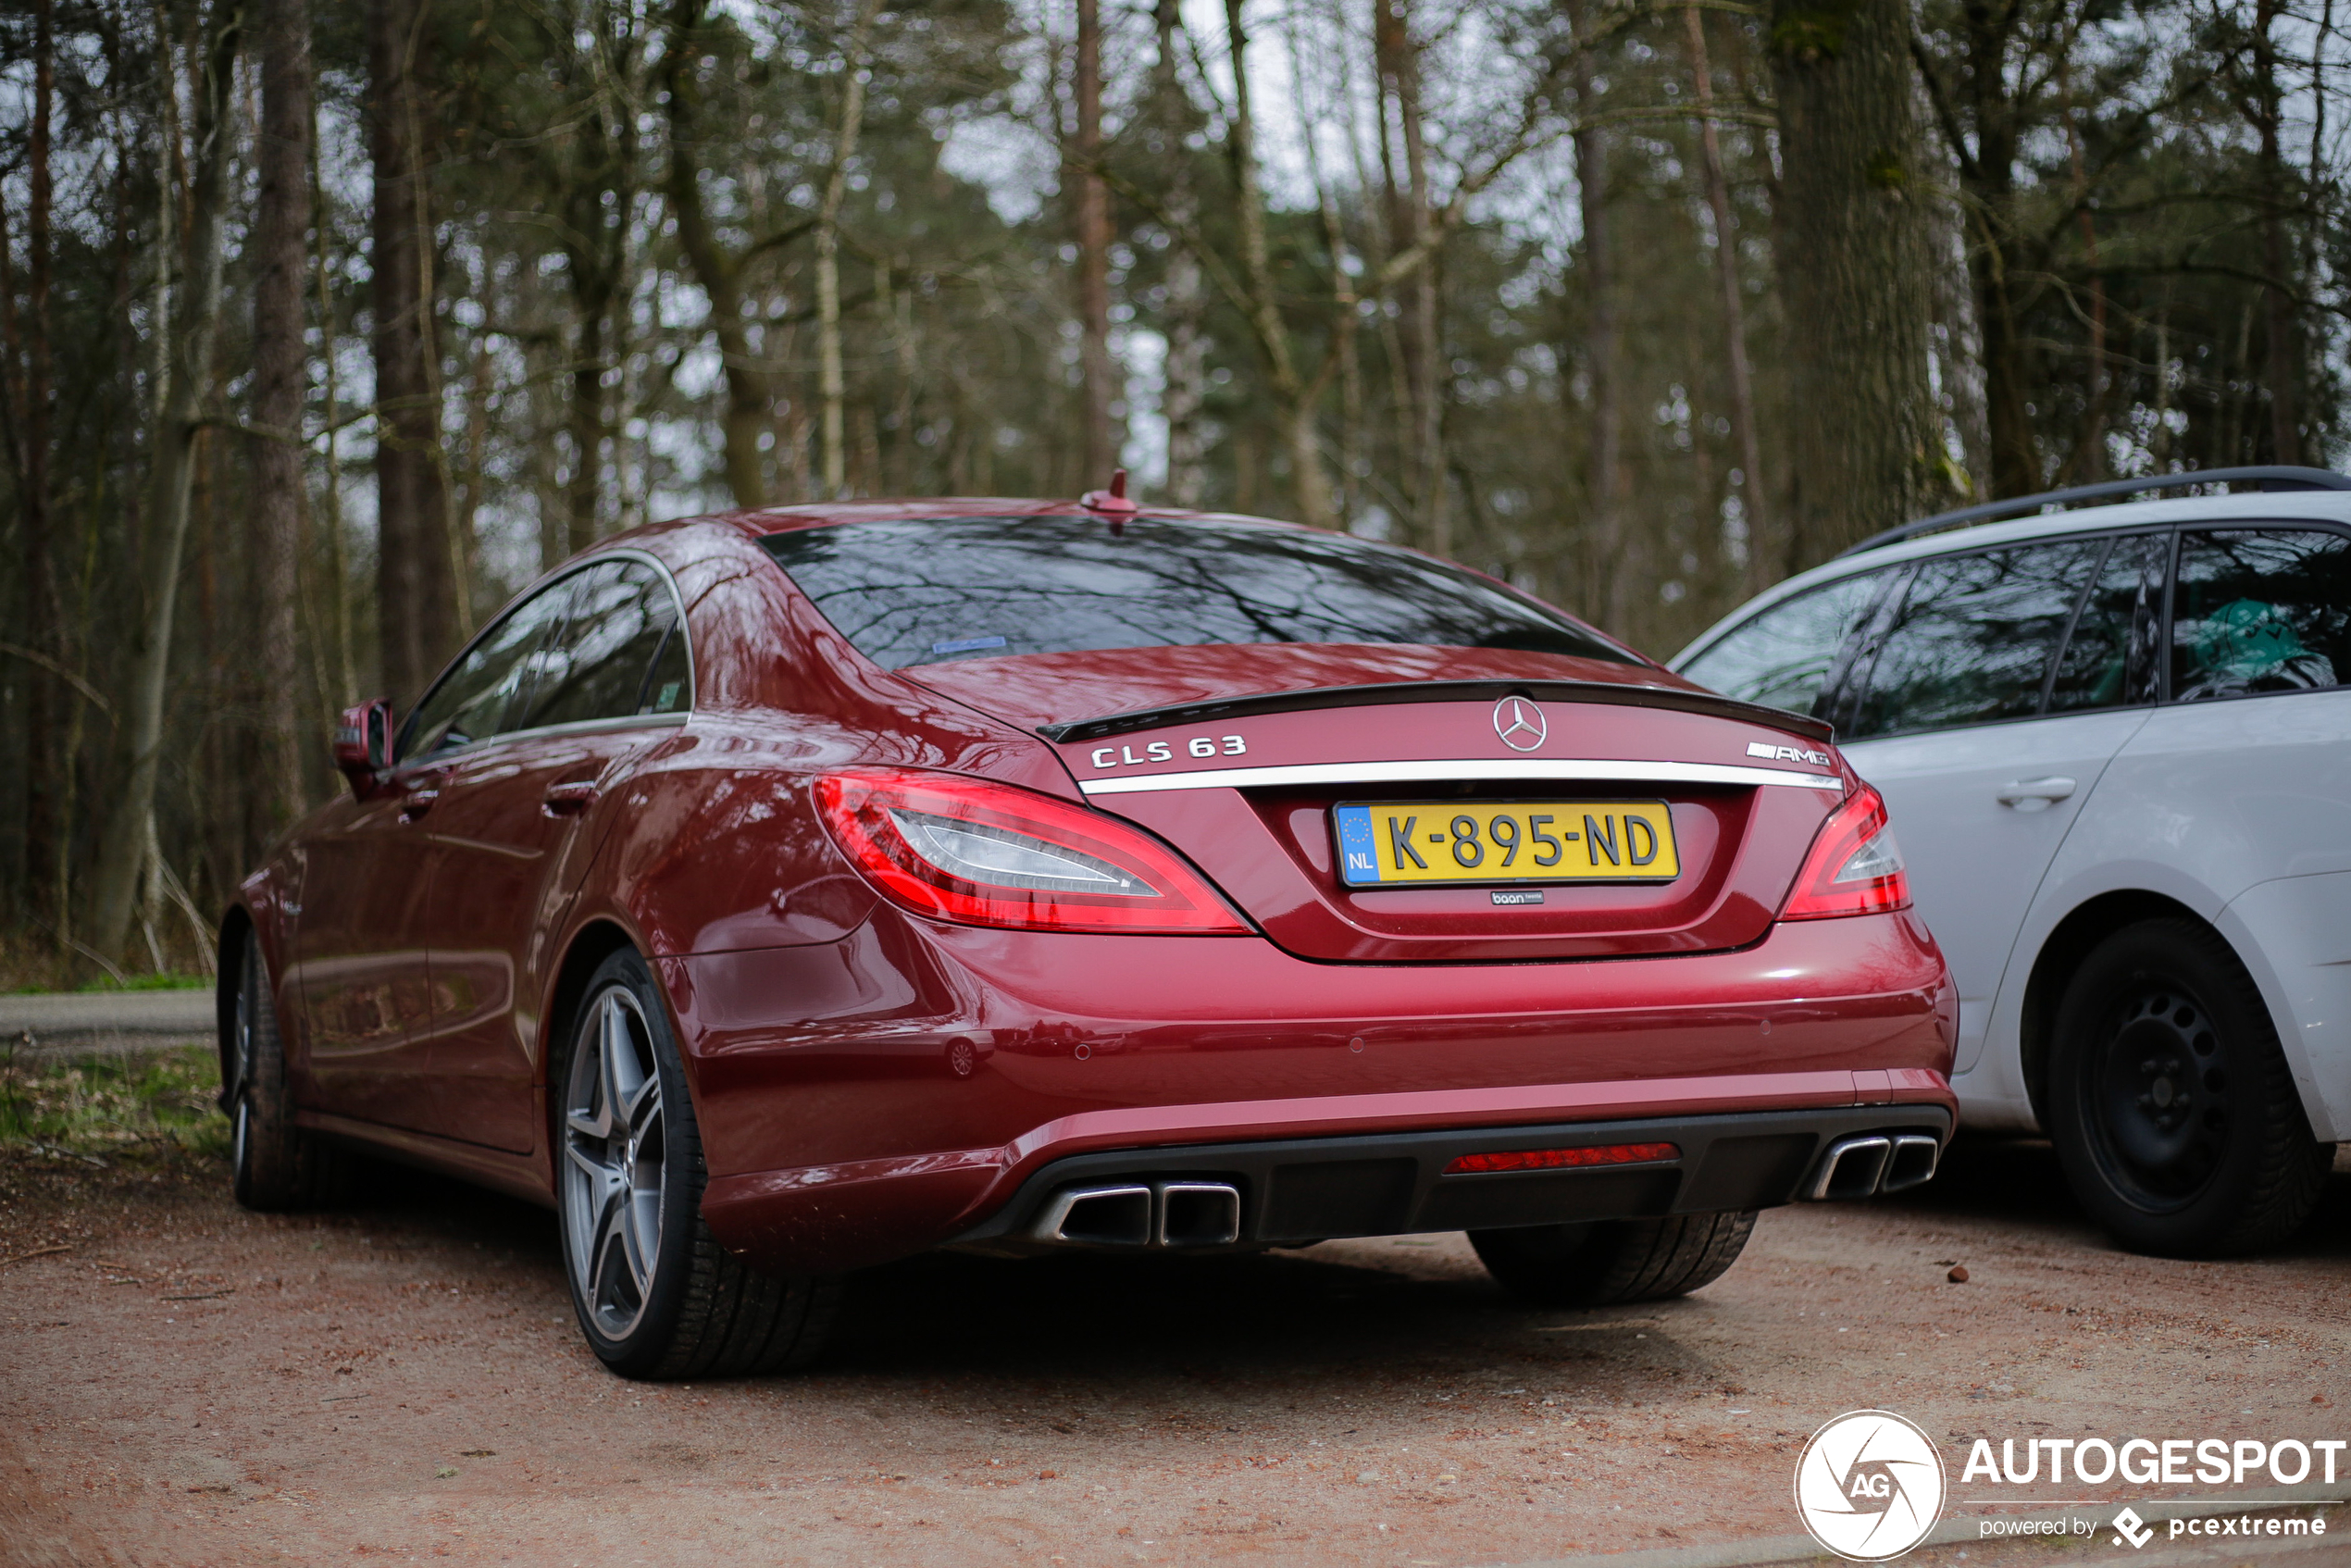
[1030, 876]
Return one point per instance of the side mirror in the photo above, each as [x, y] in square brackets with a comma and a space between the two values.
[363, 745]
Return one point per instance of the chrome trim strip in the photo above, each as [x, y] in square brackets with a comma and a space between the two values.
[1455, 770]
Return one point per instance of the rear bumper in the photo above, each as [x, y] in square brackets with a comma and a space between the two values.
[1296, 1190]
[895, 1091]
[1376, 1165]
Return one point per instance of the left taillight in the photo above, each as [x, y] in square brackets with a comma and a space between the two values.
[1855, 868]
[979, 853]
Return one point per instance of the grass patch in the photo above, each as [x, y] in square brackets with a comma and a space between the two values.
[150, 1103]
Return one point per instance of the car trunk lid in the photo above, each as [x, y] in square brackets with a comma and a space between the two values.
[1239, 756]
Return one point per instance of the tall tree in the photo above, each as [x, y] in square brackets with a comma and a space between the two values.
[1752, 491]
[44, 829]
[185, 361]
[1608, 572]
[1091, 215]
[1854, 259]
[415, 578]
[280, 246]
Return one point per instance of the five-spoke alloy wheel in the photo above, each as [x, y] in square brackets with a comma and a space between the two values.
[655, 1293]
[615, 1163]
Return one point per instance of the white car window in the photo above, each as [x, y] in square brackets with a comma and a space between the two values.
[2260, 610]
[1784, 657]
[1973, 640]
[2110, 660]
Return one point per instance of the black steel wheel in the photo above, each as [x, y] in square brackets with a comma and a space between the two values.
[656, 1296]
[2170, 1104]
[274, 1165]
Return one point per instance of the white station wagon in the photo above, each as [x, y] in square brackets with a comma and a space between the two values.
[2116, 742]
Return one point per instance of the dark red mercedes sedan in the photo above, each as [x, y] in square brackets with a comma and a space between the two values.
[780, 893]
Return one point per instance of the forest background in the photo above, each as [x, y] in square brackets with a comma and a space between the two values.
[325, 327]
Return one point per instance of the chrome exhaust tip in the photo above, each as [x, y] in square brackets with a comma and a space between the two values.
[1198, 1213]
[1852, 1168]
[1912, 1165]
[1098, 1216]
[1159, 1214]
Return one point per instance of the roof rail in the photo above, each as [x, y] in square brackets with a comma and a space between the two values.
[2269, 476]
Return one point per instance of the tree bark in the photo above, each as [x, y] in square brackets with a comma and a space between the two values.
[1854, 264]
[45, 832]
[2280, 351]
[280, 245]
[187, 360]
[1184, 386]
[1608, 571]
[416, 592]
[750, 399]
[833, 387]
[1092, 216]
[1399, 56]
[1293, 400]
[1752, 491]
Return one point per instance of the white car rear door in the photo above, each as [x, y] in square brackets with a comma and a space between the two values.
[1986, 742]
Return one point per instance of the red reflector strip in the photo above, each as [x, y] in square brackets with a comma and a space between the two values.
[1554, 1159]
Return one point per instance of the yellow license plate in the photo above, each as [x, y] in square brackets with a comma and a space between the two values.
[1395, 843]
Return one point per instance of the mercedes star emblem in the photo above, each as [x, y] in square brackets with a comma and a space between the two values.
[1519, 723]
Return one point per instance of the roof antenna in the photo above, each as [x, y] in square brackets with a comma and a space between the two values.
[1112, 503]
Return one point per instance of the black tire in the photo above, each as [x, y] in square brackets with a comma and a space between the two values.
[275, 1166]
[2171, 1105]
[1607, 1262]
[655, 1294]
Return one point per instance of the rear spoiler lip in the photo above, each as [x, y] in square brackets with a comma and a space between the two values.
[1679, 701]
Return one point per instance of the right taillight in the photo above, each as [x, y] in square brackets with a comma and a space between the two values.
[1854, 867]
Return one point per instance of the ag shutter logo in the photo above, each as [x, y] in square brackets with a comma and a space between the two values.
[1870, 1486]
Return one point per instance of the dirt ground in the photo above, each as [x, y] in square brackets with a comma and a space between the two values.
[182, 1383]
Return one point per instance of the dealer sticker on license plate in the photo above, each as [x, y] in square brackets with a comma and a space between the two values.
[1392, 843]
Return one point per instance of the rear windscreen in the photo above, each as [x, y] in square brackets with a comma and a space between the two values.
[918, 592]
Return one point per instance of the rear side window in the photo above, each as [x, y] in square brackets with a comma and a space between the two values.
[1973, 639]
[2110, 661]
[918, 592]
[598, 667]
[1784, 657]
[2260, 610]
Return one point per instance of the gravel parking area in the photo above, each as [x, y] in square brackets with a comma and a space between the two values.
[185, 1383]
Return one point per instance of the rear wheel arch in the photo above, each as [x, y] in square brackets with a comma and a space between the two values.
[591, 945]
[2062, 953]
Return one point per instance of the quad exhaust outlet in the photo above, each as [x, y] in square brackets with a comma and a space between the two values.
[1874, 1163]
[1157, 1214]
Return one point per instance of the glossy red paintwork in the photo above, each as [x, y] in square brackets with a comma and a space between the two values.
[421, 942]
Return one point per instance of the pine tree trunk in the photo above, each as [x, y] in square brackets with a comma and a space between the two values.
[46, 833]
[1752, 491]
[417, 595]
[1092, 223]
[1184, 384]
[1608, 569]
[2281, 349]
[279, 252]
[1853, 264]
[187, 358]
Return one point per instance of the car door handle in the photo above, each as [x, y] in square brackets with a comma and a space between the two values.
[564, 800]
[2046, 791]
[415, 803]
